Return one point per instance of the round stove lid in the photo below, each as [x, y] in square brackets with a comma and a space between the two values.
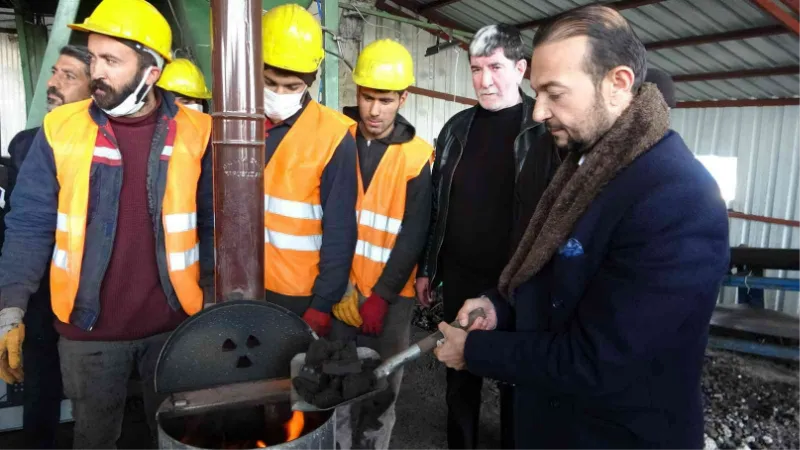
[231, 342]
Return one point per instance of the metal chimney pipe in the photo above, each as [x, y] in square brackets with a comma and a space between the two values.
[238, 143]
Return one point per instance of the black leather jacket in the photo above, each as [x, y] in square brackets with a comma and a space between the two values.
[536, 162]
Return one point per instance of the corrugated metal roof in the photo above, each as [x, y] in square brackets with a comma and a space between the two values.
[667, 20]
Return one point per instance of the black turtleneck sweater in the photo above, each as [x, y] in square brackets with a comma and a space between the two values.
[480, 212]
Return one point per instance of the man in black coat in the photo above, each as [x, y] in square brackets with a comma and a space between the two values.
[601, 317]
[493, 161]
[42, 393]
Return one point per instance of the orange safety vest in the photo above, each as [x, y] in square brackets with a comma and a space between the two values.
[380, 212]
[72, 134]
[292, 204]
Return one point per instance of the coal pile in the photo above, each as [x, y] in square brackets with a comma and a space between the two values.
[333, 373]
[750, 403]
[429, 318]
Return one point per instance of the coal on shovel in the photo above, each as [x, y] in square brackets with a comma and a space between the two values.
[368, 378]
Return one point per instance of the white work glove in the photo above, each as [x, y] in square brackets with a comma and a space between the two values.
[12, 334]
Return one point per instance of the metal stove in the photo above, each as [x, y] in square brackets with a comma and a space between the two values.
[226, 370]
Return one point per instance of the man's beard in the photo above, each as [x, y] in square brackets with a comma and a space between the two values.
[51, 104]
[111, 98]
[598, 122]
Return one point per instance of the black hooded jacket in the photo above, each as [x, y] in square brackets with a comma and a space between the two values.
[414, 229]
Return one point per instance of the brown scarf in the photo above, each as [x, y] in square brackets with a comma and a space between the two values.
[575, 186]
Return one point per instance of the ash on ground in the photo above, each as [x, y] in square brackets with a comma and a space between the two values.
[429, 318]
[750, 402]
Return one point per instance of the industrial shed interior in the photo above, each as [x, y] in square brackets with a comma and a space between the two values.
[736, 68]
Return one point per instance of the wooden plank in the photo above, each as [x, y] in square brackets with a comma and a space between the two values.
[758, 321]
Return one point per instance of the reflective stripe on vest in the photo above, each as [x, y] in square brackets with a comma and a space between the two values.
[380, 212]
[77, 143]
[292, 205]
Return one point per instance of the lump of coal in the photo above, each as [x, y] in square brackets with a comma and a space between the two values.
[323, 350]
[333, 373]
[360, 383]
[327, 398]
[356, 384]
[341, 367]
[308, 382]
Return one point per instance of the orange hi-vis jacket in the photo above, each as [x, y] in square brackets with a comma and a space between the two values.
[380, 212]
[77, 144]
[292, 203]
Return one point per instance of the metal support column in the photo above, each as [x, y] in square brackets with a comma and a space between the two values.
[65, 14]
[238, 140]
[330, 72]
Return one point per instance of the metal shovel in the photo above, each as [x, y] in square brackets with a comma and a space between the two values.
[383, 371]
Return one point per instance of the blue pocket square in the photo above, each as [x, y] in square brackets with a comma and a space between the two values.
[571, 248]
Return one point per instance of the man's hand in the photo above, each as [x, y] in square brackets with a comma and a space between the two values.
[451, 352]
[423, 286]
[12, 334]
[373, 312]
[319, 321]
[488, 324]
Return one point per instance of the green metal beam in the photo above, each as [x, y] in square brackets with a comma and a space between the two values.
[66, 12]
[330, 72]
[193, 30]
[32, 45]
[28, 77]
[266, 5]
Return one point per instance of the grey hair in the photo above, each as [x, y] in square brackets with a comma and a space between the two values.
[501, 36]
[79, 52]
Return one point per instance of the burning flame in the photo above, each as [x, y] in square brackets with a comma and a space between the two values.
[261, 444]
[294, 427]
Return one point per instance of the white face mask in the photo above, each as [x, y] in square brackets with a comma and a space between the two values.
[279, 107]
[134, 102]
[195, 106]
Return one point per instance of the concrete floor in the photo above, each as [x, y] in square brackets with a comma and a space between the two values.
[421, 413]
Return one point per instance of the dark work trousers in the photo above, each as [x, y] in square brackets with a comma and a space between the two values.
[297, 305]
[96, 375]
[463, 388]
[42, 392]
[368, 424]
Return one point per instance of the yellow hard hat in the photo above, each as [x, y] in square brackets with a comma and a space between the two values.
[384, 65]
[135, 20]
[292, 39]
[185, 78]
